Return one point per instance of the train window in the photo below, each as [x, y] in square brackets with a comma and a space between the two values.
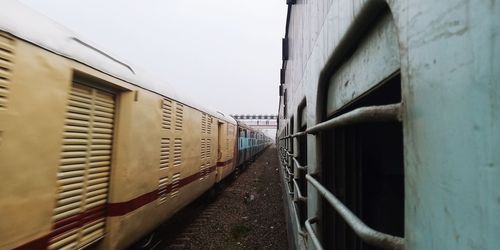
[300, 176]
[284, 104]
[7, 48]
[166, 122]
[292, 125]
[292, 151]
[179, 116]
[364, 168]
[302, 140]
[177, 154]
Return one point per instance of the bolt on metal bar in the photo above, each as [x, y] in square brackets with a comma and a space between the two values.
[312, 234]
[299, 193]
[384, 113]
[366, 233]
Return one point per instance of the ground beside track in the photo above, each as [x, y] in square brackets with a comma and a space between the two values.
[247, 214]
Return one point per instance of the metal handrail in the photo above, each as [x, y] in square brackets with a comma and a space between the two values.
[299, 228]
[296, 162]
[366, 233]
[299, 193]
[383, 113]
[287, 187]
[288, 172]
[312, 234]
[287, 177]
[295, 135]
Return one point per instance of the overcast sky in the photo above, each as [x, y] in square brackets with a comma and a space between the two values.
[225, 53]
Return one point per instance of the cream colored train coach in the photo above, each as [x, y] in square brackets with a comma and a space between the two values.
[92, 151]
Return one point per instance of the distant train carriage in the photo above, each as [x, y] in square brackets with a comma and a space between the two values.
[389, 123]
[92, 151]
[250, 142]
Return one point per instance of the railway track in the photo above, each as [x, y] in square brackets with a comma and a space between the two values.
[181, 229]
[245, 209]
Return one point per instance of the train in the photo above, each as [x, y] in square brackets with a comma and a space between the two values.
[94, 152]
[389, 124]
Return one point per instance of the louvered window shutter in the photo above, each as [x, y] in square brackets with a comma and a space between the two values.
[83, 174]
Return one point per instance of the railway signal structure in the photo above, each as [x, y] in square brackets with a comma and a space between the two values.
[258, 121]
[266, 123]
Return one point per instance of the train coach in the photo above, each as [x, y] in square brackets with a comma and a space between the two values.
[389, 124]
[250, 143]
[93, 152]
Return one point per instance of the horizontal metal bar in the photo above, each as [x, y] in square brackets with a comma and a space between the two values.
[312, 234]
[298, 134]
[366, 233]
[294, 135]
[296, 162]
[299, 193]
[384, 113]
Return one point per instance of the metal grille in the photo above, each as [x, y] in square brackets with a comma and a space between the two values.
[203, 149]
[209, 126]
[204, 168]
[166, 114]
[208, 148]
[162, 189]
[83, 174]
[177, 152]
[179, 115]
[230, 131]
[203, 123]
[165, 153]
[176, 183]
[6, 63]
[205, 145]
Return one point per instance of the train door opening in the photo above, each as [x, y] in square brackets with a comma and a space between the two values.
[365, 170]
[220, 140]
[84, 172]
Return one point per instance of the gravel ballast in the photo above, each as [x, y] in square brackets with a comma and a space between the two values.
[247, 214]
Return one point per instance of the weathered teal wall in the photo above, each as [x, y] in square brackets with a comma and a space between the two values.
[450, 70]
[452, 134]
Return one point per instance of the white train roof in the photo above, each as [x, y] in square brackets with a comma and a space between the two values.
[29, 25]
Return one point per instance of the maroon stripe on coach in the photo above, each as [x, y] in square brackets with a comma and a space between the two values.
[64, 225]
[122, 208]
[224, 163]
[110, 210]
